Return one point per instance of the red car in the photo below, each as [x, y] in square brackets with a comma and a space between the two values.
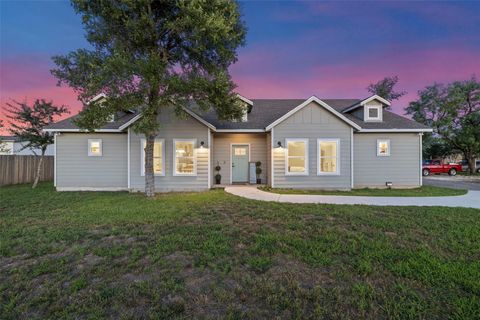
[437, 166]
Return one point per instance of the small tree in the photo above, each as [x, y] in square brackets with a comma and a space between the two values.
[454, 113]
[153, 55]
[385, 88]
[27, 123]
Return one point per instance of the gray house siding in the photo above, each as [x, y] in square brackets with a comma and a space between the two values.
[172, 128]
[402, 167]
[312, 122]
[75, 170]
[222, 152]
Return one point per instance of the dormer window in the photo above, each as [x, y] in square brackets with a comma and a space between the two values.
[373, 112]
[111, 118]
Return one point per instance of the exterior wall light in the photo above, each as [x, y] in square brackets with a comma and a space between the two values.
[389, 184]
[279, 144]
[202, 145]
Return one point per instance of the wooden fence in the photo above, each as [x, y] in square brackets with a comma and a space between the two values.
[21, 169]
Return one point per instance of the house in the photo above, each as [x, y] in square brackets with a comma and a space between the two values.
[313, 143]
[12, 145]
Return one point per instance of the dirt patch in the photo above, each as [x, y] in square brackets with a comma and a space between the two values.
[89, 260]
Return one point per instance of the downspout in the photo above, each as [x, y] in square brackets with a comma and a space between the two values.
[209, 144]
[272, 159]
[55, 159]
[128, 158]
[351, 158]
[420, 135]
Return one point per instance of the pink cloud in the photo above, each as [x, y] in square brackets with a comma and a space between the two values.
[26, 78]
[416, 68]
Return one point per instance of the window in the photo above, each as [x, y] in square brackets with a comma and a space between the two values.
[158, 152]
[184, 157]
[239, 151]
[6, 147]
[383, 148]
[94, 147]
[373, 112]
[328, 157]
[296, 160]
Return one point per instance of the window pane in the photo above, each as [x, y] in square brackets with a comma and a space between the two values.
[296, 164]
[184, 165]
[328, 149]
[373, 113]
[240, 151]
[383, 147]
[157, 149]
[157, 165]
[296, 148]
[328, 164]
[184, 149]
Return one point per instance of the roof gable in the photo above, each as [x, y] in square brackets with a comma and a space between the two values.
[367, 100]
[307, 102]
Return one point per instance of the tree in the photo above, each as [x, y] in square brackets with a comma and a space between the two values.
[153, 55]
[453, 111]
[435, 147]
[385, 88]
[27, 123]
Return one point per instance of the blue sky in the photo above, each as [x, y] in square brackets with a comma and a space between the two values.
[294, 49]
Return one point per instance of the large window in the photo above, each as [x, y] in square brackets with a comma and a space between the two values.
[383, 147]
[158, 156]
[184, 157]
[328, 156]
[296, 159]
[94, 147]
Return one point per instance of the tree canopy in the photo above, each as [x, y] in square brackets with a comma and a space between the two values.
[151, 55]
[385, 88]
[27, 123]
[453, 111]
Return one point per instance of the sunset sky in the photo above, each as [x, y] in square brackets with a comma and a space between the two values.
[294, 49]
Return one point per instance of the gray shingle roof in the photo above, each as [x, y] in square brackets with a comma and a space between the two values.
[69, 122]
[265, 112]
[10, 138]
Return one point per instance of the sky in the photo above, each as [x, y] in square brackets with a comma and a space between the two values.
[294, 49]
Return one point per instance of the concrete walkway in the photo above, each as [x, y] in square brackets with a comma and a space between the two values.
[469, 200]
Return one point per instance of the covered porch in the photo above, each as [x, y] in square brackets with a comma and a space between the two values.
[233, 153]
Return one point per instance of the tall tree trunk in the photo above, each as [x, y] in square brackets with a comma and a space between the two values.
[39, 168]
[149, 176]
[471, 163]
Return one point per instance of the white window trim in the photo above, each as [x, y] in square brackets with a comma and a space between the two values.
[305, 140]
[388, 148]
[90, 154]
[174, 165]
[322, 173]
[367, 114]
[142, 157]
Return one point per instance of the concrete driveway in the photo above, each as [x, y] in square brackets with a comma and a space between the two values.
[456, 182]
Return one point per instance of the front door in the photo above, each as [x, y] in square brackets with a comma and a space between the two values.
[240, 163]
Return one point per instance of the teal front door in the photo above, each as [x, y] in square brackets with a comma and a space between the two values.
[240, 163]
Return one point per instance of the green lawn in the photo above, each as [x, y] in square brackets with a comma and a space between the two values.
[214, 255]
[424, 191]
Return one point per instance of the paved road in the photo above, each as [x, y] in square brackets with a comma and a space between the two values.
[469, 200]
[457, 182]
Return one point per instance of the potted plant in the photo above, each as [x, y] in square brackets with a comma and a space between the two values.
[258, 171]
[218, 176]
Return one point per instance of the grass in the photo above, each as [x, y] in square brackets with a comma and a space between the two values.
[424, 191]
[213, 255]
